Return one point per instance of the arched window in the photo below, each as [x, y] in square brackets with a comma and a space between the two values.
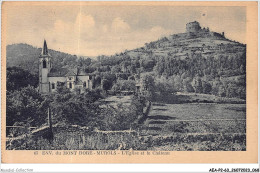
[84, 84]
[70, 85]
[44, 64]
[53, 85]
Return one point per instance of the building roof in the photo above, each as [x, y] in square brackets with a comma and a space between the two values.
[72, 72]
[45, 48]
[58, 72]
[64, 72]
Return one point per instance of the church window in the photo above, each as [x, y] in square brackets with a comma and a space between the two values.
[44, 64]
[84, 84]
[53, 85]
[70, 85]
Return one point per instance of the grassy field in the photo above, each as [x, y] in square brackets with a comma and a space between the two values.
[198, 126]
[172, 127]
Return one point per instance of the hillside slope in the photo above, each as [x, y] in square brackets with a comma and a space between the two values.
[26, 56]
[184, 45]
[200, 61]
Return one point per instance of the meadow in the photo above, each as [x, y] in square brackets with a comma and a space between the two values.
[171, 127]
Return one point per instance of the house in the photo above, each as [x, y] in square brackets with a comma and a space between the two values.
[50, 77]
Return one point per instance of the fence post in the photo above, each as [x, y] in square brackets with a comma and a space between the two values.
[50, 124]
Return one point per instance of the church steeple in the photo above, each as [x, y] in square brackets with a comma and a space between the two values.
[45, 48]
[45, 66]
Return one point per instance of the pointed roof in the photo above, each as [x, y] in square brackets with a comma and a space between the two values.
[72, 72]
[65, 72]
[45, 48]
[60, 72]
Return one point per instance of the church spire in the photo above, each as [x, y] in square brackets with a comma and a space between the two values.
[44, 48]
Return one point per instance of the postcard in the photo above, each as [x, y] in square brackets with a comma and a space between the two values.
[129, 82]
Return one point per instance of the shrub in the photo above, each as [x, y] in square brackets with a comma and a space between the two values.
[76, 109]
[122, 117]
[124, 85]
[24, 106]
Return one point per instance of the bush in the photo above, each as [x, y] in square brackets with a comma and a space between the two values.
[122, 117]
[25, 106]
[124, 85]
[76, 109]
[18, 78]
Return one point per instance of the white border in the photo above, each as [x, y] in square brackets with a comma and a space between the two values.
[131, 167]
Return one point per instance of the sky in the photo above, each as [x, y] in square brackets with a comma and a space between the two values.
[106, 30]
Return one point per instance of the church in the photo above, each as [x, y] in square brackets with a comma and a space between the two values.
[50, 77]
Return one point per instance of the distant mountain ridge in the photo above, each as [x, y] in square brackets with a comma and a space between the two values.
[26, 56]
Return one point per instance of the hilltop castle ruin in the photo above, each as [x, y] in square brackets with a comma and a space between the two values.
[194, 28]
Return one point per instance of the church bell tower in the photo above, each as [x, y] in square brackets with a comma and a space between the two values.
[45, 66]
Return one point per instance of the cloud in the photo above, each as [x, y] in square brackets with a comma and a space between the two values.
[119, 25]
[91, 30]
[86, 36]
[84, 22]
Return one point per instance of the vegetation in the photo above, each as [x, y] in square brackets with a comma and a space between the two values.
[124, 85]
[215, 67]
[18, 78]
[162, 68]
[123, 117]
[25, 105]
[69, 140]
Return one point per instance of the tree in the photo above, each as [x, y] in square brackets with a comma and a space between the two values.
[106, 85]
[206, 87]
[231, 90]
[177, 82]
[187, 85]
[148, 86]
[123, 117]
[84, 62]
[96, 81]
[25, 105]
[110, 77]
[18, 78]
[124, 85]
[75, 109]
[197, 85]
[221, 91]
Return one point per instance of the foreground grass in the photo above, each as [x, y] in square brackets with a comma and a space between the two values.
[169, 127]
[80, 140]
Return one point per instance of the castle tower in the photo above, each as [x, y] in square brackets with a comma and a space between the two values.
[45, 66]
[193, 27]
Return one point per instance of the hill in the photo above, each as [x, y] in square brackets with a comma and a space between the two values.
[26, 57]
[184, 45]
[198, 60]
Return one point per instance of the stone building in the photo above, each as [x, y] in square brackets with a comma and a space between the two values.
[50, 77]
[193, 27]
